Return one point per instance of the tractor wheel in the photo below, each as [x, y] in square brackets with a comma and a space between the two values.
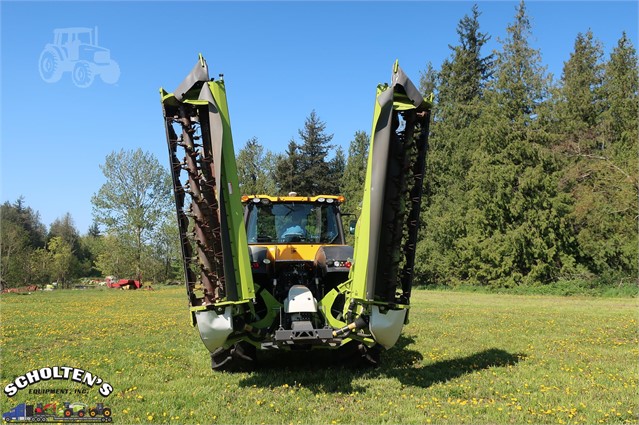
[238, 358]
[106, 412]
[68, 413]
[92, 413]
[50, 65]
[110, 74]
[81, 413]
[82, 74]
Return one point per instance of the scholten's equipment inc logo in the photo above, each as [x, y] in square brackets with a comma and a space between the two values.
[58, 373]
[51, 412]
[62, 412]
[76, 50]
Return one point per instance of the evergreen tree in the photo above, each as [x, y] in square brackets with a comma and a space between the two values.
[304, 168]
[22, 237]
[314, 170]
[64, 228]
[336, 166]
[601, 173]
[287, 169]
[459, 103]
[621, 91]
[94, 230]
[27, 219]
[352, 181]
[517, 227]
[580, 104]
[521, 83]
[428, 80]
[453, 141]
[463, 77]
[255, 169]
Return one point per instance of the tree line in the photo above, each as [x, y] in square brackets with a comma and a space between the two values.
[133, 235]
[530, 180]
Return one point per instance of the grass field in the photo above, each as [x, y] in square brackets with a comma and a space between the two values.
[464, 358]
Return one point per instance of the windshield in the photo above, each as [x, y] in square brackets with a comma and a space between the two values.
[292, 223]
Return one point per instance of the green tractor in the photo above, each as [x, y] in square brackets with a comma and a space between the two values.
[266, 272]
[73, 409]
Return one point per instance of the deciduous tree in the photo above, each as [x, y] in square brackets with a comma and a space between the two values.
[134, 198]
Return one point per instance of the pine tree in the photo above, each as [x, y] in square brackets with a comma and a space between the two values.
[22, 237]
[621, 90]
[453, 141]
[352, 180]
[314, 170]
[518, 228]
[255, 169]
[304, 168]
[336, 166]
[287, 169]
[580, 104]
[602, 176]
[64, 228]
[463, 77]
[428, 80]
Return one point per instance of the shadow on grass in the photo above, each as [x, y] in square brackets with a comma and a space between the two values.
[325, 372]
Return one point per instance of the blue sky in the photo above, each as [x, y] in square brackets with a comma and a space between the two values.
[280, 61]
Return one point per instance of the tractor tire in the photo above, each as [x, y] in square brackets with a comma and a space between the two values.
[110, 74]
[68, 413]
[81, 414]
[50, 65]
[240, 357]
[82, 75]
[106, 412]
[92, 413]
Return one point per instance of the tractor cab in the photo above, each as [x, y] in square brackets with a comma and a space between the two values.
[296, 240]
[293, 220]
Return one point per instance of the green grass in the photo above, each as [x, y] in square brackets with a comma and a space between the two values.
[463, 358]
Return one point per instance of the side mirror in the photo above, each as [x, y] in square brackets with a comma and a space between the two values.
[351, 226]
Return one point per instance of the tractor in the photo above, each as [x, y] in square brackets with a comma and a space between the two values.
[266, 272]
[73, 409]
[99, 410]
[76, 50]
